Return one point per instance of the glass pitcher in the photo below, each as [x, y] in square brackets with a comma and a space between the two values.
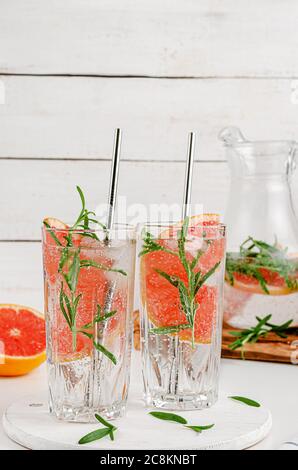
[262, 253]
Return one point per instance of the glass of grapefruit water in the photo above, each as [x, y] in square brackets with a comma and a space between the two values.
[88, 281]
[181, 283]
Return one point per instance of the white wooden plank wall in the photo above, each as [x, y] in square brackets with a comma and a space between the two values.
[74, 117]
[73, 70]
[190, 38]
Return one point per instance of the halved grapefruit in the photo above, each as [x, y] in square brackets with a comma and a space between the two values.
[22, 339]
[162, 298]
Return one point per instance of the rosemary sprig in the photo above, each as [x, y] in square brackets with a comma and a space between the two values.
[261, 330]
[69, 268]
[107, 430]
[150, 245]
[255, 256]
[86, 263]
[187, 291]
[85, 219]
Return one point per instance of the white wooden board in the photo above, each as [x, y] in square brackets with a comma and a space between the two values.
[156, 38]
[237, 427]
[75, 117]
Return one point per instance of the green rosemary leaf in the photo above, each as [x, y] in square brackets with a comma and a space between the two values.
[199, 429]
[99, 317]
[62, 308]
[95, 435]
[86, 263]
[68, 238]
[283, 327]
[89, 335]
[205, 277]
[262, 281]
[51, 232]
[70, 309]
[104, 422]
[181, 244]
[63, 259]
[105, 351]
[73, 272]
[196, 259]
[150, 245]
[90, 235]
[246, 401]
[185, 300]
[172, 279]
[81, 215]
[103, 317]
[99, 347]
[168, 417]
[235, 333]
[76, 301]
[165, 330]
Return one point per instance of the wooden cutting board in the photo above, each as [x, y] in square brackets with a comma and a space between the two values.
[270, 349]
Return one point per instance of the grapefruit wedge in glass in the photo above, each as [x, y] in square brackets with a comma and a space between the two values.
[163, 300]
[92, 287]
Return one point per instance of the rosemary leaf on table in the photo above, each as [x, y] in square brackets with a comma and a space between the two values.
[261, 330]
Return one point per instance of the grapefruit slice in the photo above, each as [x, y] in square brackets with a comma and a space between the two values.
[59, 226]
[162, 298]
[93, 284]
[51, 251]
[22, 339]
[275, 283]
[201, 226]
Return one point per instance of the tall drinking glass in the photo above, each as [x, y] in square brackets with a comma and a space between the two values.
[89, 282]
[181, 282]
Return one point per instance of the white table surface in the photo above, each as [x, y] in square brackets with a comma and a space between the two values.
[273, 385]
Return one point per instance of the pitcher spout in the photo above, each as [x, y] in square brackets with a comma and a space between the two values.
[231, 135]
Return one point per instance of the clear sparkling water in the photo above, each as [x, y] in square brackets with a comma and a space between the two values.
[241, 308]
[85, 381]
[178, 376]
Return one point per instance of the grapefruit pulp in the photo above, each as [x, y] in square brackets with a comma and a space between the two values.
[162, 298]
[22, 339]
[92, 284]
[275, 283]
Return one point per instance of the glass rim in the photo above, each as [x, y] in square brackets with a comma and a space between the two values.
[116, 227]
[220, 227]
[259, 143]
[172, 223]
